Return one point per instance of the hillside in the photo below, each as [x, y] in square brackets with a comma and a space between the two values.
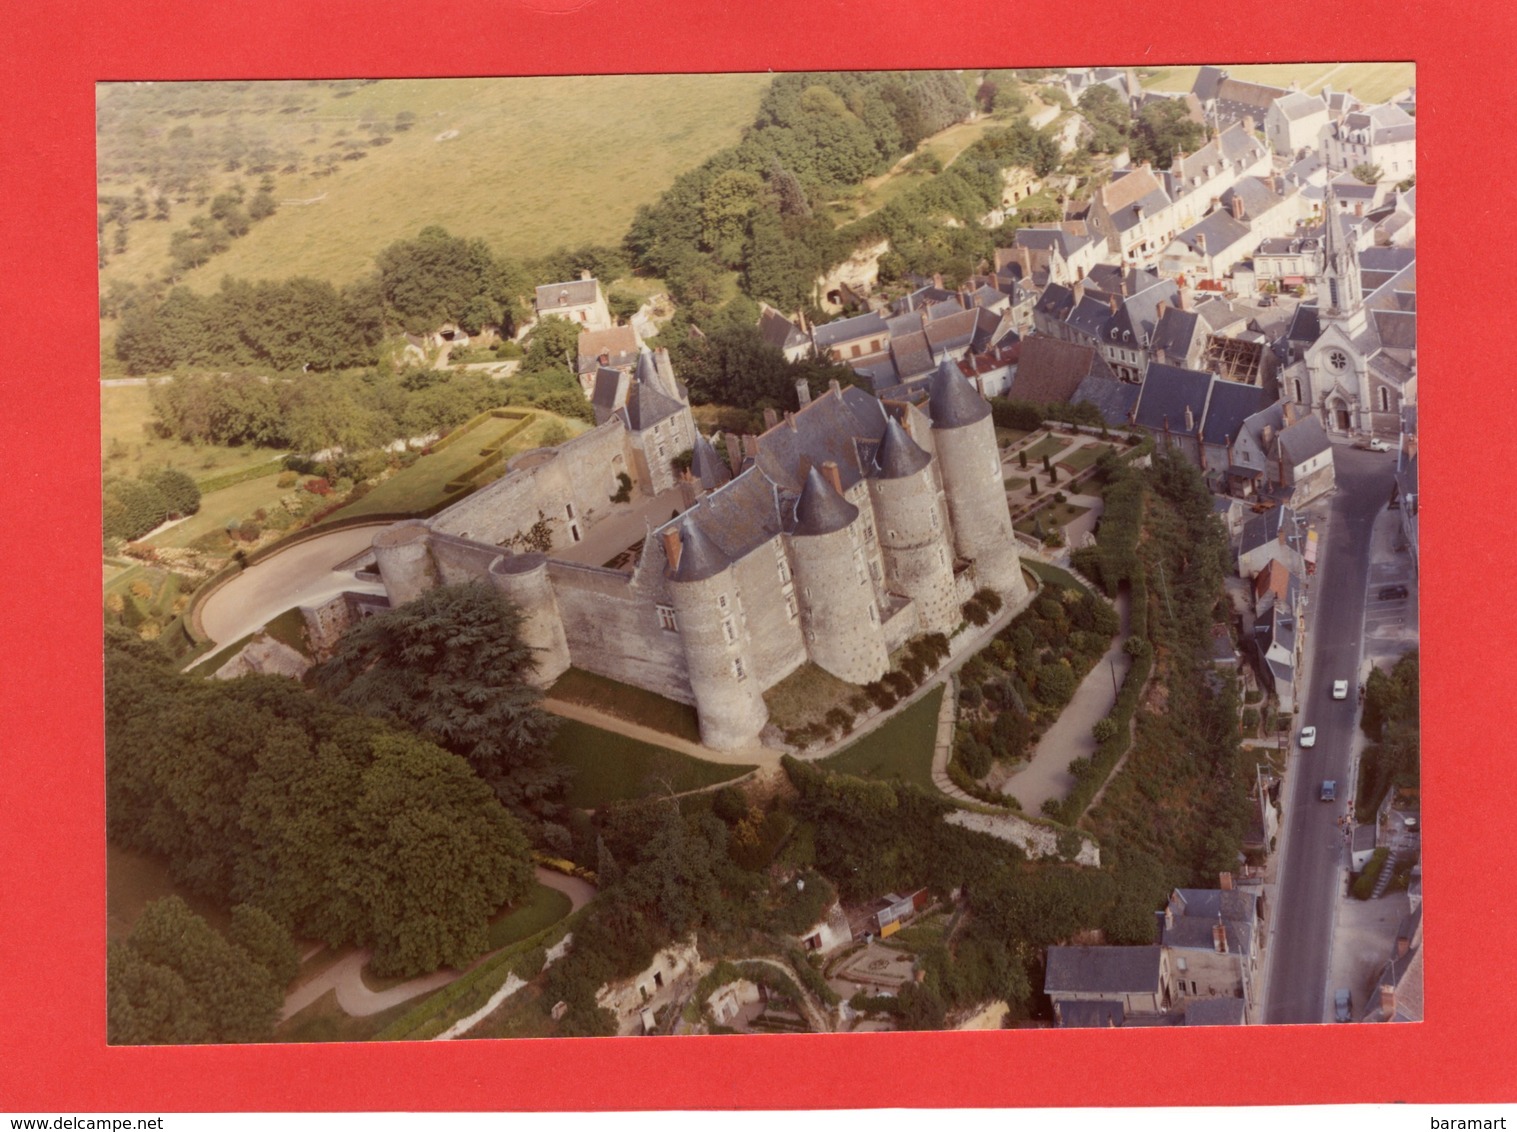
[529, 164]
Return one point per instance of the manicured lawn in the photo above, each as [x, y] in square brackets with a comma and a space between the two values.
[1053, 575]
[229, 505]
[609, 767]
[902, 748]
[1053, 515]
[1016, 483]
[1049, 446]
[419, 487]
[1082, 458]
[325, 1021]
[635, 705]
[542, 908]
[1008, 436]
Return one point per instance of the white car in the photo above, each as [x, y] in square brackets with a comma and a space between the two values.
[1340, 689]
[1308, 737]
[1378, 445]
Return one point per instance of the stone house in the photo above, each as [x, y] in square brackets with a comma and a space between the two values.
[579, 300]
[1273, 534]
[1106, 985]
[1212, 938]
[1295, 123]
[1384, 135]
[786, 335]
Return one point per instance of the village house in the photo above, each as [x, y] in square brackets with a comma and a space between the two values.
[1384, 135]
[1294, 123]
[580, 301]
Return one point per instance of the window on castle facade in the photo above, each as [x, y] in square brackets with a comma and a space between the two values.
[721, 601]
[737, 668]
[729, 632]
[869, 532]
[790, 606]
[1385, 399]
[874, 618]
[666, 619]
[569, 510]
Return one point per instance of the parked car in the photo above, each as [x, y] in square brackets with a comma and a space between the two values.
[1378, 445]
[1340, 689]
[1343, 1005]
[1391, 593]
[1308, 736]
[1329, 789]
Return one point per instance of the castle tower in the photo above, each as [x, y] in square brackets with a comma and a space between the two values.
[970, 464]
[405, 561]
[706, 467]
[838, 610]
[913, 531]
[523, 579]
[728, 698]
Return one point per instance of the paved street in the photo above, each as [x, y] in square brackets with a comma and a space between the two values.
[1312, 855]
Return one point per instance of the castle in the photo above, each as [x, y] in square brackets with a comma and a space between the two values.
[844, 530]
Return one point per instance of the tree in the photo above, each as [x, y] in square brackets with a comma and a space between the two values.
[452, 665]
[266, 941]
[1163, 129]
[181, 494]
[1110, 119]
[551, 345]
[148, 1003]
[1368, 172]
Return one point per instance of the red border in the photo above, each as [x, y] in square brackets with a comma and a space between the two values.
[51, 864]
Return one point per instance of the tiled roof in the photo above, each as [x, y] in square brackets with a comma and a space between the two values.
[898, 456]
[843, 329]
[1229, 405]
[1050, 369]
[1303, 440]
[778, 331]
[1114, 399]
[820, 510]
[619, 343]
[1168, 391]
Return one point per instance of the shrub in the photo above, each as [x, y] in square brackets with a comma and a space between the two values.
[975, 612]
[1250, 722]
[989, 599]
[1022, 459]
[1104, 729]
[319, 485]
[624, 488]
[180, 493]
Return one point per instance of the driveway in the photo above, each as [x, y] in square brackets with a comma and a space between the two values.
[302, 575]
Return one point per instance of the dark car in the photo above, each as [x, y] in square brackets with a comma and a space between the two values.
[1390, 593]
[1329, 790]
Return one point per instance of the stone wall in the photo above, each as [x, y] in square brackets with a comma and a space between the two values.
[611, 622]
[774, 636]
[1036, 840]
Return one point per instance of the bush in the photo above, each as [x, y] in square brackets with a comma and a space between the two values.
[179, 491]
[1104, 729]
[319, 485]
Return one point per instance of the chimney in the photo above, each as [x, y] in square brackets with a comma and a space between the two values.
[1403, 945]
[1112, 302]
[1079, 291]
[1388, 1001]
[1179, 299]
[735, 452]
[687, 491]
[1237, 207]
[672, 546]
[585, 275]
[802, 392]
[1160, 309]
[834, 387]
[1248, 123]
[1225, 881]
[1190, 420]
[1200, 243]
[1137, 210]
[1288, 412]
[1266, 437]
[830, 470]
[1219, 937]
[771, 418]
[790, 420]
[604, 359]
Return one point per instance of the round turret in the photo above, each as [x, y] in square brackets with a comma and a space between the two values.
[405, 561]
[970, 465]
[838, 610]
[728, 698]
[523, 578]
[913, 531]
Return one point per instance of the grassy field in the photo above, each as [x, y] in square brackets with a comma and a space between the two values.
[229, 505]
[608, 767]
[1052, 574]
[529, 164]
[902, 748]
[1370, 82]
[543, 908]
[635, 705]
[127, 447]
[807, 694]
[1048, 446]
[1082, 458]
[946, 145]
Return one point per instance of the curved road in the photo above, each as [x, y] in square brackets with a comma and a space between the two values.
[301, 575]
[1312, 852]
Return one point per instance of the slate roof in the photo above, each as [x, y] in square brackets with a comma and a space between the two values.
[1138, 313]
[991, 329]
[709, 469]
[1167, 392]
[778, 331]
[1264, 528]
[1230, 403]
[1303, 440]
[603, 396]
[1214, 1012]
[700, 558]
[1219, 230]
[1078, 1015]
[1298, 104]
[898, 456]
[558, 296]
[951, 401]
[619, 342]
[647, 405]
[1051, 369]
[952, 332]
[1175, 332]
[1091, 316]
[1114, 400]
[1216, 314]
[820, 510]
[1256, 194]
[1102, 970]
[837, 426]
[1056, 301]
[844, 329]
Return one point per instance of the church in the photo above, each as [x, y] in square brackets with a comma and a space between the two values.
[840, 533]
[1353, 353]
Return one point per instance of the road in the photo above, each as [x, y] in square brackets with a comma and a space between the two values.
[1312, 853]
[301, 575]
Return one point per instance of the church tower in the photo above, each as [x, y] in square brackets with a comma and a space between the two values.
[1340, 294]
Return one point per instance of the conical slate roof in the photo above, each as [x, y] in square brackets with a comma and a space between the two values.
[821, 510]
[699, 558]
[899, 456]
[709, 469]
[647, 369]
[951, 400]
